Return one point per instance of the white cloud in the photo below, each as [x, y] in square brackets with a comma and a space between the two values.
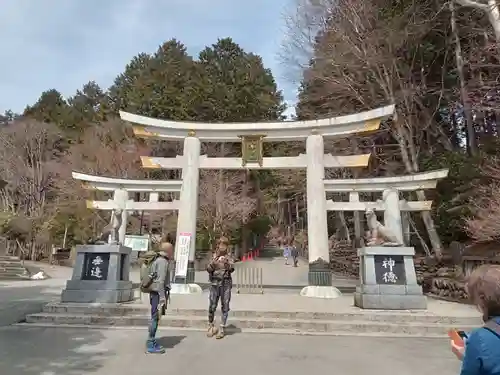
[63, 44]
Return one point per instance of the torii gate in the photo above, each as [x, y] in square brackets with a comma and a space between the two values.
[391, 204]
[121, 189]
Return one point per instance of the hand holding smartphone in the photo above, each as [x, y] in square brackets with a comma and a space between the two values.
[458, 337]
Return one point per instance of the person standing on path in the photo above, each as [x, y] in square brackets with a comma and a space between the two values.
[294, 252]
[286, 250]
[155, 280]
[219, 270]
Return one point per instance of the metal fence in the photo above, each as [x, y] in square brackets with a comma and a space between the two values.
[249, 280]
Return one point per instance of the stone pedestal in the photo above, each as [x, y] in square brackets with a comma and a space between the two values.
[190, 275]
[319, 273]
[101, 274]
[388, 280]
[320, 281]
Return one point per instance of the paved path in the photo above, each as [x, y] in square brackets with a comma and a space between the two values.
[58, 351]
[276, 273]
[20, 298]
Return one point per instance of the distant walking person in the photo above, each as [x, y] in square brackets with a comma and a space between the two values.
[286, 250]
[219, 270]
[295, 253]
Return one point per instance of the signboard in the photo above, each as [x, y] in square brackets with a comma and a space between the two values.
[182, 254]
[95, 266]
[137, 243]
[390, 269]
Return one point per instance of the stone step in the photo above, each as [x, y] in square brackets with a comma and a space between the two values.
[403, 317]
[14, 273]
[11, 264]
[12, 276]
[13, 270]
[271, 251]
[8, 258]
[333, 327]
[11, 267]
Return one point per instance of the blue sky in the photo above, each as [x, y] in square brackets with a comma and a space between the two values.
[63, 44]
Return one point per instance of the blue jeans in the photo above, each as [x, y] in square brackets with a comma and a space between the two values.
[154, 300]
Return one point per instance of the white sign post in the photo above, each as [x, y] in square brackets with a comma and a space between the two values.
[181, 263]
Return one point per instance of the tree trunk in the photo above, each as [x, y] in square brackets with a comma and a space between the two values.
[409, 157]
[245, 233]
[357, 217]
[472, 148]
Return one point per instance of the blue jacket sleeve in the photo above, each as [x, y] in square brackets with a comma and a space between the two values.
[472, 362]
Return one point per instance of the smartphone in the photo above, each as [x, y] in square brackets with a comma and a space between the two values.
[458, 337]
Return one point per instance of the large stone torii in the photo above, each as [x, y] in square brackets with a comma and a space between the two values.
[252, 135]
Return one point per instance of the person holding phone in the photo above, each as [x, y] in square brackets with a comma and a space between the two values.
[219, 270]
[479, 350]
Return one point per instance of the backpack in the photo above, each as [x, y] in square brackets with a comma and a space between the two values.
[147, 276]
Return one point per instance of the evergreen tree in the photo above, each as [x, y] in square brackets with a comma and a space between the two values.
[236, 86]
[88, 105]
[156, 85]
[120, 93]
[51, 108]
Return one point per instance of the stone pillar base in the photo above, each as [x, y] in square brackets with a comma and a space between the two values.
[387, 302]
[190, 275]
[320, 281]
[388, 280]
[319, 273]
[327, 292]
[185, 289]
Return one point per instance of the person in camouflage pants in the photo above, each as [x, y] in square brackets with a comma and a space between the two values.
[220, 269]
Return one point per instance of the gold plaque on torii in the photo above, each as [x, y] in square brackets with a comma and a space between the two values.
[252, 149]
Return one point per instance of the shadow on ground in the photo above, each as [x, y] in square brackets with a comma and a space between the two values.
[49, 351]
[168, 342]
[231, 329]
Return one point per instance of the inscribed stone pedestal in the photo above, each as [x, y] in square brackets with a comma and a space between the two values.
[388, 280]
[100, 274]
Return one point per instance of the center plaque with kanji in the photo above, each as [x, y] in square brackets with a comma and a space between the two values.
[95, 266]
[252, 149]
[390, 269]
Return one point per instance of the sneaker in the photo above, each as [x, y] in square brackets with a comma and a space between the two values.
[158, 345]
[154, 348]
[211, 330]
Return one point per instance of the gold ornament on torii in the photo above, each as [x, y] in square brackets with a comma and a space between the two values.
[252, 149]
